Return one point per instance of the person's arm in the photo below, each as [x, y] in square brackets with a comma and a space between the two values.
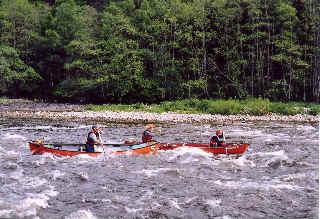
[153, 133]
[99, 139]
[214, 141]
[93, 138]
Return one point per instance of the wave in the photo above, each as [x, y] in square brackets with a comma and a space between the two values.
[81, 214]
[264, 185]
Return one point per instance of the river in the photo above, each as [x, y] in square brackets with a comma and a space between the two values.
[278, 177]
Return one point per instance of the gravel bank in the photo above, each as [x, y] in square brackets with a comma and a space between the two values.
[144, 117]
[25, 109]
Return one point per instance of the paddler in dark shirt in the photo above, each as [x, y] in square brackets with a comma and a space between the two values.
[149, 133]
[218, 140]
[93, 138]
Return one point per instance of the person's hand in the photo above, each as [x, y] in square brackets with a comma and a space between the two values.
[98, 143]
[100, 131]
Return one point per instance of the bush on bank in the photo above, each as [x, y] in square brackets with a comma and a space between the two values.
[253, 106]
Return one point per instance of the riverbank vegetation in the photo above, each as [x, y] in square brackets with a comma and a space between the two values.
[225, 107]
[160, 51]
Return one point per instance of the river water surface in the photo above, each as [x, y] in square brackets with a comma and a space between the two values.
[278, 177]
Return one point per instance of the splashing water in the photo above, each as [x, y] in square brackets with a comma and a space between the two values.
[276, 178]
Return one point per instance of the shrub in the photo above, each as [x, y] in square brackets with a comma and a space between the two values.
[225, 107]
[256, 107]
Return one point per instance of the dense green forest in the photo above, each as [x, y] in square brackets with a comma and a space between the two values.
[129, 51]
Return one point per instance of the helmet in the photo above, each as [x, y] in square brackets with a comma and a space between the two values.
[219, 132]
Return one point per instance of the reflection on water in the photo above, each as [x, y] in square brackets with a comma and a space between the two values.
[276, 178]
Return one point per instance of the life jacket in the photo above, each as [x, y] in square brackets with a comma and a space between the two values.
[146, 138]
[216, 141]
[89, 139]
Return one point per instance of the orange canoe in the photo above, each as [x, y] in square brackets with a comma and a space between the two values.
[37, 147]
[230, 148]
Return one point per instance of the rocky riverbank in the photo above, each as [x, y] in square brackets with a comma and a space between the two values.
[69, 112]
[143, 117]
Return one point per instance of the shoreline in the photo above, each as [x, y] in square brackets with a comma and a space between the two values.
[146, 117]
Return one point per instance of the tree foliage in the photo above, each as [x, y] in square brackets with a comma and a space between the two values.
[127, 51]
[16, 78]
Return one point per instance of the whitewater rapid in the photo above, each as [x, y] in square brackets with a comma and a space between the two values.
[278, 177]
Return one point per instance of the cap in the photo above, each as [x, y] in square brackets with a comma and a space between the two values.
[95, 127]
[219, 132]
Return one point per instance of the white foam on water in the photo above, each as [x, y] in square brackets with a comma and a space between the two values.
[146, 197]
[224, 217]
[153, 172]
[11, 166]
[248, 133]
[235, 130]
[82, 158]
[83, 176]
[298, 177]
[28, 206]
[80, 127]
[207, 133]
[213, 203]
[174, 203]
[273, 159]
[276, 161]
[243, 161]
[46, 127]
[106, 201]
[267, 185]
[38, 127]
[18, 174]
[305, 128]
[5, 213]
[81, 214]
[156, 205]
[68, 128]
[51, 192]
[12, 155]
[190, 200]
[271, 137]
[282, 137]
[32, 182]
[13, 136]
[36, 163]
[132, 210]
[56, 174]
[31, 127]
[43, 159]
[191, 154]
[45, 156]
[240, 161]
[280, 153]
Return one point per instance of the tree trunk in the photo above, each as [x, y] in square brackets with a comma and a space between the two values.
[316, 69]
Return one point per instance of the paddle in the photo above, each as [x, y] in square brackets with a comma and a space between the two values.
[159, 130]
[102, 145]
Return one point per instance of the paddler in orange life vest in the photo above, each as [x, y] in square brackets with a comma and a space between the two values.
[93, 138]
[149, 133]
[218, 140]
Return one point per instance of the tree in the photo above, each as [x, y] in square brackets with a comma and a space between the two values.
[20, 26]
[16, 78]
